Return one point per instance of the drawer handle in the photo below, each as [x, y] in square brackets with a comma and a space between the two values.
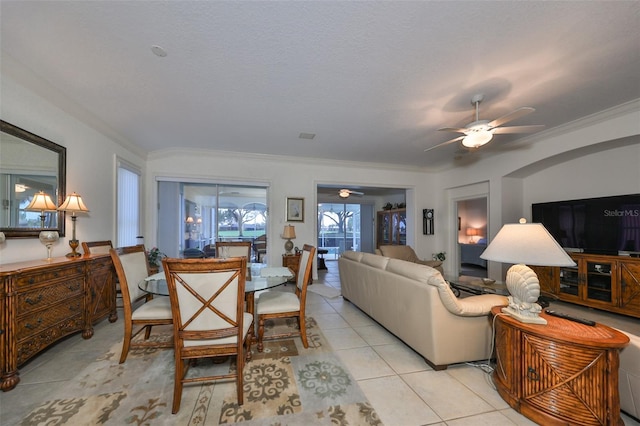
[532, 374]
[31, 326]
[31, 280]
[33, 301]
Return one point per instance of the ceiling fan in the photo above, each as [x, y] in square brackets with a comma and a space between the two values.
[345, 193]
[480, 132]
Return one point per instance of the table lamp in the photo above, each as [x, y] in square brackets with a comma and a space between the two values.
[289, 234]
[525, 243]
[73, 203]
[42, 203]
[472, 232]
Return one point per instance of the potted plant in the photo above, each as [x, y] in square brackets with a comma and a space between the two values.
[441, 256]
[155, 258]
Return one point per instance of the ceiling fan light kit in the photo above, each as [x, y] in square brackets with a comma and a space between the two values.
[345, 193]
[480, 132]
[477, 138]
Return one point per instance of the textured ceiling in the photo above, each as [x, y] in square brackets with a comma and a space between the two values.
[373, 80]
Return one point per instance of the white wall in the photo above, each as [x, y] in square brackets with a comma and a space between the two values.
[596, 156]
[90, 159]
[285, 178]
[572, 163]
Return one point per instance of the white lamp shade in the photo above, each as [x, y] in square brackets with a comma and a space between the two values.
[477, 138]
[528, 243]
[73, 203]
[41, 202]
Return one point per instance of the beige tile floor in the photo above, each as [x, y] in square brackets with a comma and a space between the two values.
[403, 389]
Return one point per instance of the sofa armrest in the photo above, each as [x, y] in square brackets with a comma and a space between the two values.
[480, 305]
[473, 306]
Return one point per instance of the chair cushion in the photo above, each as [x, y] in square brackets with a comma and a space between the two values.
[271, 302]
[399, 252]
[246, 325]
[157, 308]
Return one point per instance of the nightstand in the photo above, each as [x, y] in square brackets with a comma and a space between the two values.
[560, 373]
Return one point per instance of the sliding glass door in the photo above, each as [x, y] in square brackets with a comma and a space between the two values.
[339, 228]
[196, 215]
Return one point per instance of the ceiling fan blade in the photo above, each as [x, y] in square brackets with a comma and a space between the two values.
[520, 112]
[444, 143]
[518, 129]
[452, 129]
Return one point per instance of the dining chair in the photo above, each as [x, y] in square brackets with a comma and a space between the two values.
[103, 247]
[260, 247]
[283, 304]
[209, 318]
[132, 266]
[226, 249]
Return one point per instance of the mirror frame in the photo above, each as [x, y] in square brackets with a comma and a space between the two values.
[62, 178]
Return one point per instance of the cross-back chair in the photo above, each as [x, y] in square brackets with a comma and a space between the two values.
[209, 318]
[226, 249]
[132, 266]
[282, 304]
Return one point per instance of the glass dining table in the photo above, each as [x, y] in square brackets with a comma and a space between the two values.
[262, 278]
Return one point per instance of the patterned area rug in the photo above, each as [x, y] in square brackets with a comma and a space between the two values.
[284, 385]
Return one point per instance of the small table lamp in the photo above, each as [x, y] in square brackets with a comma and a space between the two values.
[42, 203]
[529, 243]
[472, 232]
[289, 234]
[73, 203]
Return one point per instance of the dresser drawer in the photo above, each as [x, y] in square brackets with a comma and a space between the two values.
[44, 296]
[37, 321]
[43, 337]
[66, 272]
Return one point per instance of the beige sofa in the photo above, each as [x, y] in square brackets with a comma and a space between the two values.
[629, 374]
[415, 303]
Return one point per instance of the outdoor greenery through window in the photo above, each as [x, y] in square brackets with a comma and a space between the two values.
[222, 213]
[338, 227]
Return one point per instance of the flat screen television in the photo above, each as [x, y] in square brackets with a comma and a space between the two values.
[605, 225]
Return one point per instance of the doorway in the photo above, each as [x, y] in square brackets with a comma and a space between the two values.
[472, 236]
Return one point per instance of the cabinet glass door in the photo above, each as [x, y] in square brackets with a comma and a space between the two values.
[384, 228]
[569, 281]
[598, 281]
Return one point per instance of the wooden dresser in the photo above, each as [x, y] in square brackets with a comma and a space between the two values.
[42, 301]
[560, 373]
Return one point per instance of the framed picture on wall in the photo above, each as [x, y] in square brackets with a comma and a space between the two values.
[295, 209]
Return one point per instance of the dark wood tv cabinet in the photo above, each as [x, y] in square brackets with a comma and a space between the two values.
[42, 301]
[610, 283]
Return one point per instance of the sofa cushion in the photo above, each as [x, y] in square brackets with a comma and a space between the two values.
[410, 270]
[353, 255]
[379, 262]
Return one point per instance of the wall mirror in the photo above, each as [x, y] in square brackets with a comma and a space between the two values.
[29, 164]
